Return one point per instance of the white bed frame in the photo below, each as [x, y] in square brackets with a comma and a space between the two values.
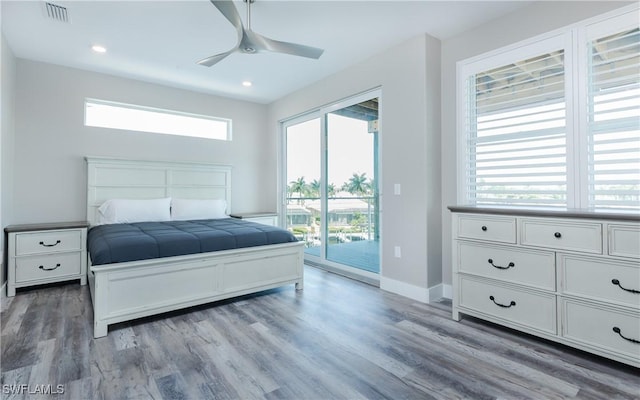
[125, 291]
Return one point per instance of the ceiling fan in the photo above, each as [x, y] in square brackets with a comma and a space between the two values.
[250, 42]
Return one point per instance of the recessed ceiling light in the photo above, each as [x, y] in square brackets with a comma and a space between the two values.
[98, 49]
[247, 83]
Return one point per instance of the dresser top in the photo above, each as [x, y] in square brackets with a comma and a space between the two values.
[542, 212]
[46, 226]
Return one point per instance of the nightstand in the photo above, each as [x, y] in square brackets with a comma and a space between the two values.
[266, 218]
[45, 253]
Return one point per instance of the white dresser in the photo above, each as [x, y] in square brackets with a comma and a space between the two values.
[45, 253]
[572, 277]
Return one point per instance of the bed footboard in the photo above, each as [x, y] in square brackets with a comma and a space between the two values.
[125, 291]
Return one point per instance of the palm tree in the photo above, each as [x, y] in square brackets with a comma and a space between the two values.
[357, 184]
[314, 188]
[331, 190]
[299, 186]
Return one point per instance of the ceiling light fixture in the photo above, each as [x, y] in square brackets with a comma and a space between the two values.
[98, 48]
[247, 83]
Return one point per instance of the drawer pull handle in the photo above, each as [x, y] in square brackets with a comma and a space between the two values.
[558, 235]
[50, 245]
[619, 332]
[484, 228]
[513, 303]
[49, 269]
[617, 282]
[511, 265]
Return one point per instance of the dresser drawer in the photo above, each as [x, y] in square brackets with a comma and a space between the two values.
[624, 240]
[495, 229]
[608, 329]
[511, 264]
[47, 267]
[600, 279]
[48, 241]
[565, 235]
[534, 310]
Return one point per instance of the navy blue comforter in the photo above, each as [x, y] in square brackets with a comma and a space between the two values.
[117, 243]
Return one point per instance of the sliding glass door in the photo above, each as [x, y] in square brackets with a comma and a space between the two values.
[352, 212]
[303, 205]
[332, 197]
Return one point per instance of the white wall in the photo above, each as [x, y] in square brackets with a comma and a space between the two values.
[536, 19]
[46, 180]
[409, 76]
[7, 93]
[51, 140]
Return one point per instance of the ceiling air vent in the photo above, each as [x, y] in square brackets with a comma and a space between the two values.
[56, 12]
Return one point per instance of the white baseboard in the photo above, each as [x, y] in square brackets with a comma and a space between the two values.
[436, 292]
[423, 295]
[418, 293]
[447, 291]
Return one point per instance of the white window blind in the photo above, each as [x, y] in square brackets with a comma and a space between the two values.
[614, 121]
[554, 121]
[516, 134]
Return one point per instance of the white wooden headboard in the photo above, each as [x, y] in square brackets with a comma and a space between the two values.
[111, 178]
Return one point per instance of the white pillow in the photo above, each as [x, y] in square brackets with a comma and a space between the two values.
[186, 209]
[117, 211]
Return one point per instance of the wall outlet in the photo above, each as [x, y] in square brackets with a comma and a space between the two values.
[396, 189]
[396, 252]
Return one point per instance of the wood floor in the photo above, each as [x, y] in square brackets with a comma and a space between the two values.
[337, 339]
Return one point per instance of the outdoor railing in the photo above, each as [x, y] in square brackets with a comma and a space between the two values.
[368, 228]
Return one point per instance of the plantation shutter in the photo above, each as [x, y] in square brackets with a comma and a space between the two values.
[614, 121]
[516, 134]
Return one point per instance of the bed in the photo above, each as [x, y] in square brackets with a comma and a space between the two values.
[122, 291]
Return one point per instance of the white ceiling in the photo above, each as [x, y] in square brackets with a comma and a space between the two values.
[160, 41]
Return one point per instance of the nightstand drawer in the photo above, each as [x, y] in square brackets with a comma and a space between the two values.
[608, 329]
[47, 267]
[535, 310]
[600, 279]
[511, 264]
[564, 235]
[624, 241]
[48, 242]
[495, 229]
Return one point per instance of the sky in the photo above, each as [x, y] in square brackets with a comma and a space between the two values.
[350, 150]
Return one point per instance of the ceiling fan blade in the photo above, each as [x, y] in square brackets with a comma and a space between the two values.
[213, 60]
[250, 42]
[230, 12]
[264, 43]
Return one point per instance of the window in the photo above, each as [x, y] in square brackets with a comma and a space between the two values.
[614, 120]
[106, 114]
[518, 133]
[554, 122]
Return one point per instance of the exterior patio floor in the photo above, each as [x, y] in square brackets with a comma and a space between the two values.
[362, 254]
